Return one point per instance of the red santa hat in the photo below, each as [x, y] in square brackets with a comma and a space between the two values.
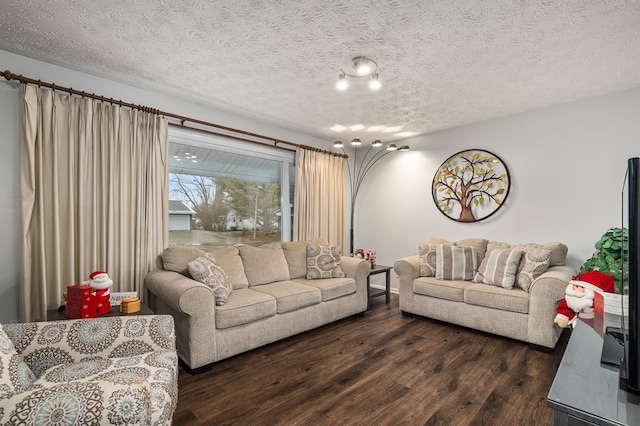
[596, 281]
[94, 273]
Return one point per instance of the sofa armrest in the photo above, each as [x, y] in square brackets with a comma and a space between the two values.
[192, 305]
[180, 293]
[357, 269]
[544, 294]
[110, 395]
[407, 268]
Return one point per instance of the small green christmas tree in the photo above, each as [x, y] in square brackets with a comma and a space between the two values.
[611, 257]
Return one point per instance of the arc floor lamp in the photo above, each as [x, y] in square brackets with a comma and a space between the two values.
[358, 170]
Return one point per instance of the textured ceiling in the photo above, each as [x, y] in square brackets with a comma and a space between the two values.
[441, 63]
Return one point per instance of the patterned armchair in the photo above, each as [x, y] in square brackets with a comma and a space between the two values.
[99, 371]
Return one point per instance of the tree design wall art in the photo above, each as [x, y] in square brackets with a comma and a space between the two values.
[471, 185]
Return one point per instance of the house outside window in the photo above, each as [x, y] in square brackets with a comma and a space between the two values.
[223, 192]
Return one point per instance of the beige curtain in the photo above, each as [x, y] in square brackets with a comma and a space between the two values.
[94, 195]
[319, 201]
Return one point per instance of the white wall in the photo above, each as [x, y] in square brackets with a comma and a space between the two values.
[567, 166]
[10, 244]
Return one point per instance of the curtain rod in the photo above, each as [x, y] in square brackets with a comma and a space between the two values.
[8, 75]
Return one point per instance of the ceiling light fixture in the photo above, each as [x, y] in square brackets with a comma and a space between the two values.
[362, 67]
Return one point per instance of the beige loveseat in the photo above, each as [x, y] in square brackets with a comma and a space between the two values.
[524, 312]
[271, 298]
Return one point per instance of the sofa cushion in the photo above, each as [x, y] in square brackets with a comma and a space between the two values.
[244, 306]
[177, 258]
[264, 264]
[534, 263]
[558, 250]
[455, 263]
[427, 253]
[332, 288]
[229, 259]
[323, 262]
[479, 244]
[156, 371]
[15, 374]
[449, 290]
[207, 270]
[296, 255]
[119, 401]
[499, 267]
[291, 295]
[514, 300]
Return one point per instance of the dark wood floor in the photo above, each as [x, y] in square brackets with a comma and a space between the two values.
[380, 369]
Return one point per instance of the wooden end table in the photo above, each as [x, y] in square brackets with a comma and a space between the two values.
[379, 269]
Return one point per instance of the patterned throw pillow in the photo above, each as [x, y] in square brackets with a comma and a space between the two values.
[323, 262]
[499, 267]
[15, 374]
[427, 256]
[455, 263]
[207, 270]
[533, 264]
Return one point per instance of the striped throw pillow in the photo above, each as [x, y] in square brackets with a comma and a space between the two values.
[499, 267]
[455, 263]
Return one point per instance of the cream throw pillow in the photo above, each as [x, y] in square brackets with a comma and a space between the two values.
[499, 267]
[323, 262]
[455, 263]
[207, 270]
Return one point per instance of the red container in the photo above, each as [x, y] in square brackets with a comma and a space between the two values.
[80, 302]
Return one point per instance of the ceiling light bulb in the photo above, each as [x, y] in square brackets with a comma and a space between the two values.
[392, 147]
[356, 142]
[338, 144]
[342, 82]
[363, 67]
[374, 83]
[404, 148]
[376, 143]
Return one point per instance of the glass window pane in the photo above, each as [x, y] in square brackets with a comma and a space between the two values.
[219, 197]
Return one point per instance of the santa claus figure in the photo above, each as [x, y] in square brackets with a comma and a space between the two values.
[100, 282]
[579, 294]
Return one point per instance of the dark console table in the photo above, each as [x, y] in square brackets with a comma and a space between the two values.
[584, 392]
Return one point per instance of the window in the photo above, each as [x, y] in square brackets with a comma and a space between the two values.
[223, 192]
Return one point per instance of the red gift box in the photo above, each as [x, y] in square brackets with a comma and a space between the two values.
[80, 302]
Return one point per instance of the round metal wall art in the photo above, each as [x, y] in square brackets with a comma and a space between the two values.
[471, 185]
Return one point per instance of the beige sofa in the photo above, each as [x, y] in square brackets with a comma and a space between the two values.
[523, 313]
[271, 298]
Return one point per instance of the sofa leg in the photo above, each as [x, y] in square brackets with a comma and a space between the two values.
[409, 314]
[194, 371]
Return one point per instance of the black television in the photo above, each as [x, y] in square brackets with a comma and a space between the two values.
[630, 363]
